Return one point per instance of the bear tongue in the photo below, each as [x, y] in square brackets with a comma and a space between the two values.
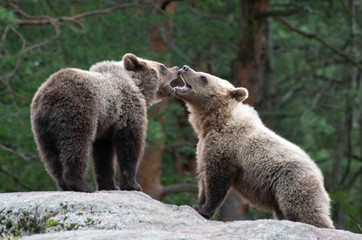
[182, 89]
[186, 86]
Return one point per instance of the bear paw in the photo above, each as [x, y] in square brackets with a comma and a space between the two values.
[131, 187]
[108, 188]
[203, 212]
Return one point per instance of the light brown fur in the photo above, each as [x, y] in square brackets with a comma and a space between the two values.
[103, 110]
[235, 149]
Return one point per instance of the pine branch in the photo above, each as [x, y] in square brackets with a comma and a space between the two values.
[357, 158]
[8, 148]
[45, 20]
[5, 33]
[353, 179]
[278, 13]
[16, 179]
[166, 37]
[320, 40]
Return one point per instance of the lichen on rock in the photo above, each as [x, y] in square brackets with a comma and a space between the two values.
[132, 215]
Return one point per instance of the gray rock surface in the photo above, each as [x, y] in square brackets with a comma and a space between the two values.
[133, 215]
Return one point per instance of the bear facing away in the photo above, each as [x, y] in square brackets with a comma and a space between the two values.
[103, 109]
[236, 150]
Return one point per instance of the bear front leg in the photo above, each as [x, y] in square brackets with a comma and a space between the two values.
[217, 184]
[129, 142]
[103, 158]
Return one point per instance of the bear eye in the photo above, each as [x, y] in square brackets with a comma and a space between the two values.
[163, 69]
[203, 79]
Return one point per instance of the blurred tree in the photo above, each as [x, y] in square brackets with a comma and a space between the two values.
[330, 76]
[248, 71]
[304, 75]
[150, 168]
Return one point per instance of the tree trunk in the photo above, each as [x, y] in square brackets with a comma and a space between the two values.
[149, 173]
[268, 106]
[248, 72]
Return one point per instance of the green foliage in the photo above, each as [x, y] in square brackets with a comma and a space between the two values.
[7, 16]
[52, 223]
[351, 216]
[168, 178]
[313, 86]
[184, 198]
[323, 90]
[154, 130]
[255, 214]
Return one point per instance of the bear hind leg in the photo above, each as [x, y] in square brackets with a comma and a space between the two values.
[129, 143]
[74, 164]
[75, 181]
[311, 207]
[55, 168]
[103, 158]
[50, 156]
[315, 218]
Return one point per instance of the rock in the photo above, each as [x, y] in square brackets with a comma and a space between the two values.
[133, 215]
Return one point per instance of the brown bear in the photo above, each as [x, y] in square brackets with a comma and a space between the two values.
[235, 149]
[103, 109]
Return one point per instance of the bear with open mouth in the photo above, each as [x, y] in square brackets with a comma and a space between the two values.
[236, 150]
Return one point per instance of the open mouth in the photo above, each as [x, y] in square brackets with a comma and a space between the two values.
[176, 85]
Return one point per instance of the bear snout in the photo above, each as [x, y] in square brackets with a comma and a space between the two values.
[185, 68]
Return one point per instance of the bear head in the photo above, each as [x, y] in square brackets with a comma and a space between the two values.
[204, 91]
[153, 78]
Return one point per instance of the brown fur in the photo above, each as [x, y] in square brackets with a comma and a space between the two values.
[236, 150]
[103, 109]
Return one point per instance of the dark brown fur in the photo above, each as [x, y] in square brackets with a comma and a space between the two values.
[103, 109]
[236, 150]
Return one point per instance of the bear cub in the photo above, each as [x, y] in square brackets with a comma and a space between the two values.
[236, 150]
[103, 110]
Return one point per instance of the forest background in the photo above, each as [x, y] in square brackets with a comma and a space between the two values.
[300, 60]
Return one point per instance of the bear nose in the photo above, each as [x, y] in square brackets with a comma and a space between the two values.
[185, 68]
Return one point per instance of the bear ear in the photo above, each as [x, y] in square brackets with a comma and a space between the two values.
[131, 62]
[239, 94]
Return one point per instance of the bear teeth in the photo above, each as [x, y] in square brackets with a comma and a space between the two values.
[185, 83]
